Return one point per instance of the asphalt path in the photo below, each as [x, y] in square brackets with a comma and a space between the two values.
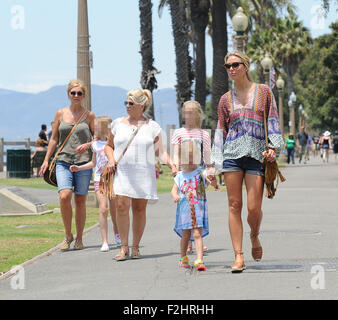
[298, 235]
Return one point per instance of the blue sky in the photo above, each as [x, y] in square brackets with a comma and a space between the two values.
[38, 42]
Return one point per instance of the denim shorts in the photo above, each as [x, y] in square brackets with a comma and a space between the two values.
[246, 164]
[68, 180]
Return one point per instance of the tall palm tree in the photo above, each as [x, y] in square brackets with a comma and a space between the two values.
[291, 44]
[199, 16]
[220, 48]
[148, 80]
[184, 72]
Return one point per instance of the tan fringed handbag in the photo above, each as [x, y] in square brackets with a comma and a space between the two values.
[107, 177]
[271, 169]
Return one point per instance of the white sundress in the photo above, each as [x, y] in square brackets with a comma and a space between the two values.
[135, 175]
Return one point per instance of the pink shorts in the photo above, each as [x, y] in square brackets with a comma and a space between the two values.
[96, 186]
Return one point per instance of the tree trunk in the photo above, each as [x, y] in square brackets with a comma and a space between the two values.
[220, 48]
[183, 61]
[148, 80]
[200, 17]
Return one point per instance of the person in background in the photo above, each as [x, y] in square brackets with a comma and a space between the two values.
[326, 143]
[335, 144]
[302, 138]
[43, 136]
[49, 134]
[315, 140]
[290, 144]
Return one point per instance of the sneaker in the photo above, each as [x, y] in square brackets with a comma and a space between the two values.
[78, 245]
[65, 245]
[104, 248]
[117, 238]
[199, 265]
[184, 262]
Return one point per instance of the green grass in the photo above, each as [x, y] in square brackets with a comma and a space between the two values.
[38, 183]
[20, 244]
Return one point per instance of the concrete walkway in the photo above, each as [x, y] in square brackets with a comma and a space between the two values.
[298, 234]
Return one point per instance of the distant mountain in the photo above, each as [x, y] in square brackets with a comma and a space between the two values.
[23, 113]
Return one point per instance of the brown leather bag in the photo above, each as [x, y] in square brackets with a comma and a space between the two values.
[271, 169]
[50, 173]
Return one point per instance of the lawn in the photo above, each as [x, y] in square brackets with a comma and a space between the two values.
[23, 238]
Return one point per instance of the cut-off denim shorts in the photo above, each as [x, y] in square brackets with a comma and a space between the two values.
[76, 181]
[246, 164]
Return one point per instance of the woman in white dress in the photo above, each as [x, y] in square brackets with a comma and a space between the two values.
[135, 176]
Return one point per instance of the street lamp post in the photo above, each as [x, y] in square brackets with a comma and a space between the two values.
[266, 63]
[292, 102]
[240, 24]
[280, 86]
[300, 113]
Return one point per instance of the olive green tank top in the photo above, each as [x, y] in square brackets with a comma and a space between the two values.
[80, 135]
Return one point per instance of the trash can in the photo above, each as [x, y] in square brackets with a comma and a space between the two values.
[19, 163]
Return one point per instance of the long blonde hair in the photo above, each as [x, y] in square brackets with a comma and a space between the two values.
[245, 59]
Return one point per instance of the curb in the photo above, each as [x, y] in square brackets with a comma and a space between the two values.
[49, 252]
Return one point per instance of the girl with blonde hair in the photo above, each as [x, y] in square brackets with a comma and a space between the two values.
[99, 160]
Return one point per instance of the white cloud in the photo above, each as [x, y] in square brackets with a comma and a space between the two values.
[28, 88]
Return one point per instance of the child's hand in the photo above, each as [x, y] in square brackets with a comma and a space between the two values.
[214, 183]
[74, 168]
[176, 198]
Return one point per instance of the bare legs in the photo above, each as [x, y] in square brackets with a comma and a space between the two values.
[254, 186]
[123, 222]
[103, 209]
[67, 213]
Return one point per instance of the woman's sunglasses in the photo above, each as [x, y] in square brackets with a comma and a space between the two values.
[128, 102]
[234, 65]
[74, 93]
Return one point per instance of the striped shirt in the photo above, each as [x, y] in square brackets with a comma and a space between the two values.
[200, 136]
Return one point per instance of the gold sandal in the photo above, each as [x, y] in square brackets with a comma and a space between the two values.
[238, 266]
[135, 252]
[122, 255]
[257, 252]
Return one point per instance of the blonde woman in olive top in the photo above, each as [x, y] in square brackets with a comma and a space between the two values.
[76, 151]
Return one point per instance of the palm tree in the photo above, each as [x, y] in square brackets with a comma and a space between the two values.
[199, 16]
[220, 48]
[291, 44]
[148, 80]
[184, 72]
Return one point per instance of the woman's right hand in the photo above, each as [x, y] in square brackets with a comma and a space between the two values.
[43, 168]
[111, 166]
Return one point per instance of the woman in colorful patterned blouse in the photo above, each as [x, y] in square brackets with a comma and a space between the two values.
[240, 145]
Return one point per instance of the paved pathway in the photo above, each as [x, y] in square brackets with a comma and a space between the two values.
[299, 238]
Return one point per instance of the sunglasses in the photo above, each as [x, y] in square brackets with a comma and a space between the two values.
[129, 102]
[74, 93]
[234, 65]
